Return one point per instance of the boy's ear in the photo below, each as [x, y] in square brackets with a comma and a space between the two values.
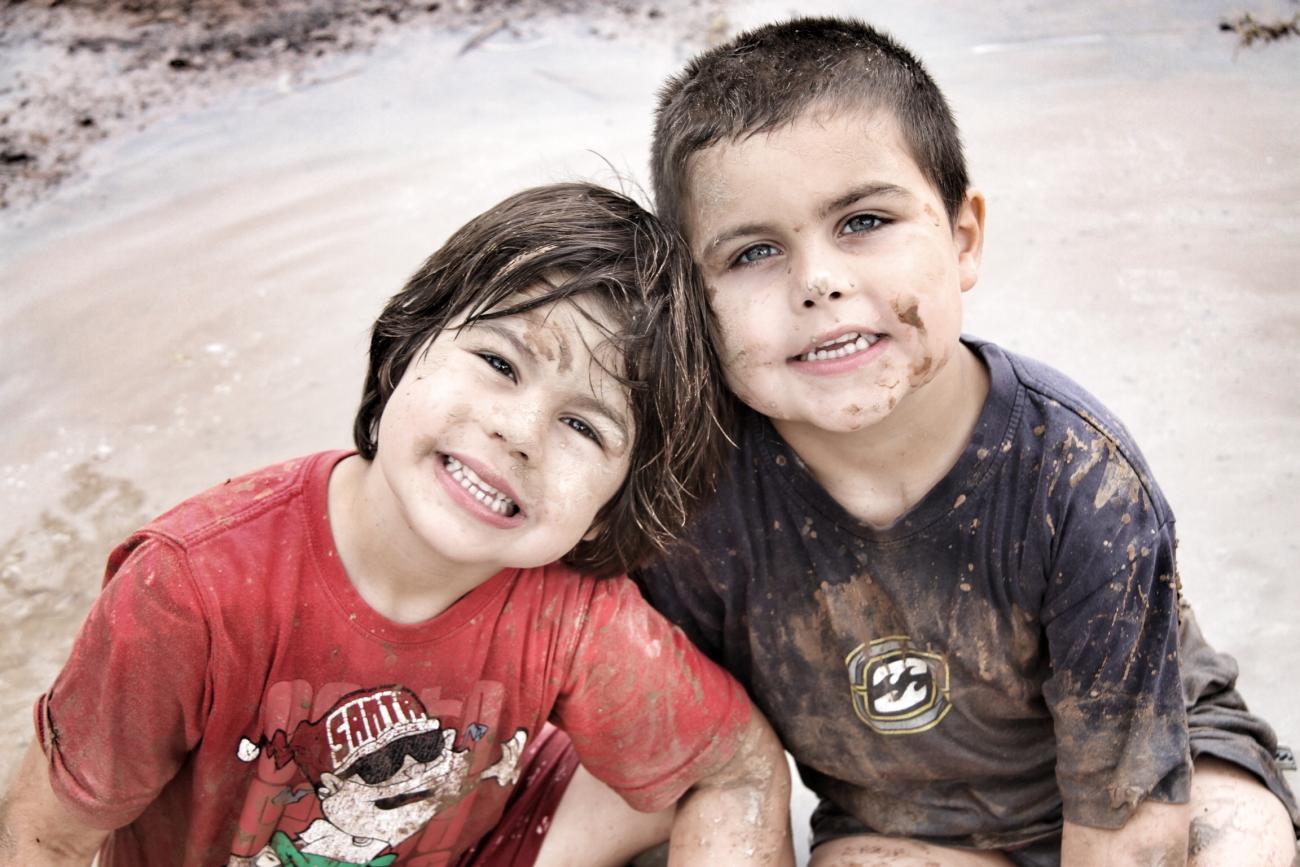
[968, 237]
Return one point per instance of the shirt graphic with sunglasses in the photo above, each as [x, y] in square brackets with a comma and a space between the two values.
[379, 765]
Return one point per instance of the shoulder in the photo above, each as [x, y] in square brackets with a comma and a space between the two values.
[227, 545]
[226, 507]
[754, 471]
[1063, 398]
[568, 598]
[760, 488]
[1082, 444]
[552, 585]
[587, 621]
[595, 611]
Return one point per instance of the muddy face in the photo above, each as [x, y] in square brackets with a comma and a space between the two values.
[835, 275]
[504, 438]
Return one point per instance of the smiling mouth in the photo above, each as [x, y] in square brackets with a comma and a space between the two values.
[841, 347]
[403, 799]
[479, 489]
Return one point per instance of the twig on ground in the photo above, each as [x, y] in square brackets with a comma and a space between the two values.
[1250, 31]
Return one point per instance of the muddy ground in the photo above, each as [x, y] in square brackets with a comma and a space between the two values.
[75, 72]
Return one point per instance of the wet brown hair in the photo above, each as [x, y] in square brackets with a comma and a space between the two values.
[560, 242]
[765, 78]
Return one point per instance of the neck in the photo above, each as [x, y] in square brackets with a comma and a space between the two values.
[392, 570]
[880, 472]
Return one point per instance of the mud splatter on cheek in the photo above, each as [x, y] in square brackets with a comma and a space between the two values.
[908, 312]
[737, 360]
[888, 381]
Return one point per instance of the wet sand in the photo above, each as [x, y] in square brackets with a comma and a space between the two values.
[193, 300]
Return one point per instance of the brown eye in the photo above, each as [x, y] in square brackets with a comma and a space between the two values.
[500, 365]
[582, 428]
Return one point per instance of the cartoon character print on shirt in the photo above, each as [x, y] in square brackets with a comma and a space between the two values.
[896, 689]
[373, 770]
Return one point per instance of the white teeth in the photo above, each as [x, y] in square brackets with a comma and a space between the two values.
[479, 489]
[855, 343]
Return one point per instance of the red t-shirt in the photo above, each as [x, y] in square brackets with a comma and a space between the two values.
[231, 694]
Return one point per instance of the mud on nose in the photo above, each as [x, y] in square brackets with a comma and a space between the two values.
[819, 284]
[818, 289]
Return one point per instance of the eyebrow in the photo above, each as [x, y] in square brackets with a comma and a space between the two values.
[862, 191]
[598, 406]
[509, 337]
[587, 402]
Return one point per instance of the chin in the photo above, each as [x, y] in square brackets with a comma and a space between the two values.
[852, 425]
[841, 421]
[850, 422]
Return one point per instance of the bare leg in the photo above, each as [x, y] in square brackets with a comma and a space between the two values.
[1236, 820]
[594, 827]
[864, 851]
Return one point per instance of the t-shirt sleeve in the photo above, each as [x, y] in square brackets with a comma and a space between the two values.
[647, 712]
[129, 704]
[1111, 620]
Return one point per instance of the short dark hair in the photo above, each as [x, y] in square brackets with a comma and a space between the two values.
[768, 77]
[558, 242]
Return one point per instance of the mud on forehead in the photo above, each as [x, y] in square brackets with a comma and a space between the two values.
[561, 332]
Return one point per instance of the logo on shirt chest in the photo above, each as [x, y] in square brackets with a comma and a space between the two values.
[895, 689]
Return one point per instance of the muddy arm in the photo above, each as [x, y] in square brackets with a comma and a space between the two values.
[741, 814]
[35, 827]
[1154, 836]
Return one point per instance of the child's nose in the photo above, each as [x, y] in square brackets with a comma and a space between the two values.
[517, 429]
[819, 288]
[820, 281]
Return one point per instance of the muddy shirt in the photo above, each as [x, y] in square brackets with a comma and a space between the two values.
[231, 694]
[1003, 655]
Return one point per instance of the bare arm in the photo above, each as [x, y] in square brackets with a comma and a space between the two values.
[1154, 836]
[741, 814]
[35, 827]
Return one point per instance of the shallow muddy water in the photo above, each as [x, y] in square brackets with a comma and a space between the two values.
[196, 304]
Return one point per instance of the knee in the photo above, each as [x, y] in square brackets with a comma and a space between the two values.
[872, 851]
[1236, 819]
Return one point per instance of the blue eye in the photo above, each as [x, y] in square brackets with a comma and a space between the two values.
[753, 254]
[582, 428]
[862, 223]
[500, 365]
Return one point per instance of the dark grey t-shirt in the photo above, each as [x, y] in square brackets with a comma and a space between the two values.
[1004, 655]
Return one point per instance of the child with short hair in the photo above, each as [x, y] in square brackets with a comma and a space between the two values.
[941, 569]
[353, 658]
